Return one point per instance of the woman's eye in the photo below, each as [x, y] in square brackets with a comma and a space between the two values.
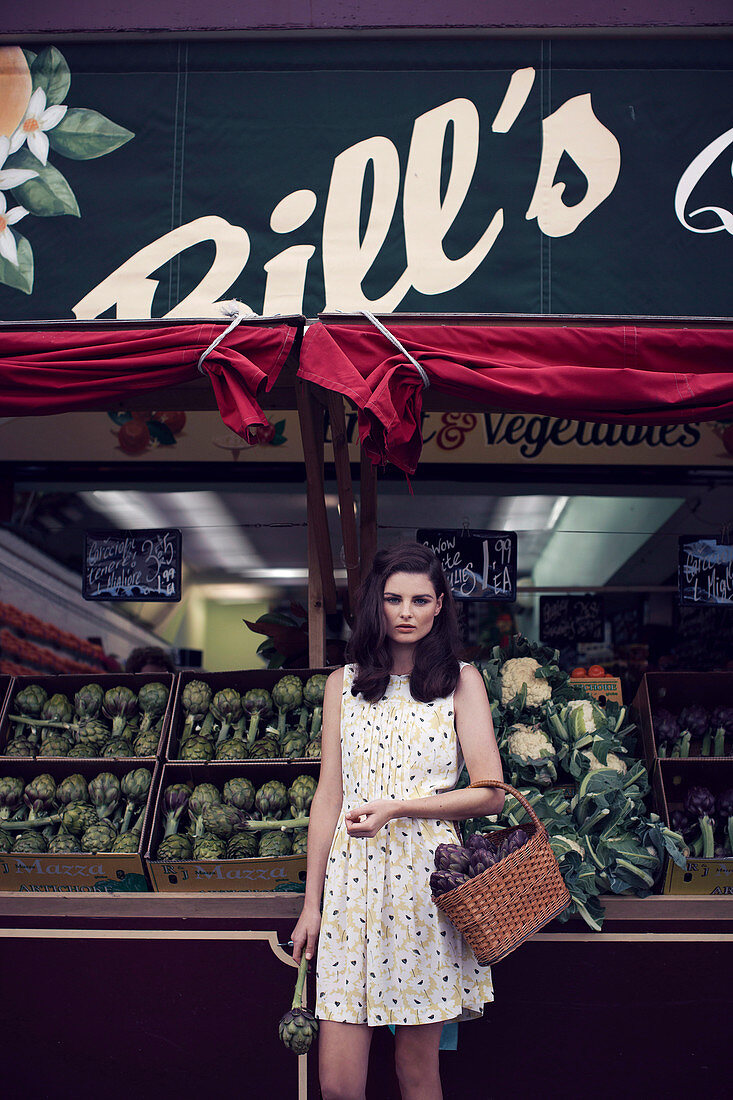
[420, 600]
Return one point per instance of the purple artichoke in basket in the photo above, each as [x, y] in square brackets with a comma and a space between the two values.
[666, 731]
[452, 857]
[443, 881]
[721, 726]
[700, 803]
[480, 861]
[479, 841]
[512, 843]
[679, 822]
[694, 722]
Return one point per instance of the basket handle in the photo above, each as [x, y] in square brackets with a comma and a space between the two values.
[510, 790]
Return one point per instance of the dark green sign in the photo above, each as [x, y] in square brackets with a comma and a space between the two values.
[572, 177]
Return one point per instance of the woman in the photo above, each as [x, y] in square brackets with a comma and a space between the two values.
[397, 724]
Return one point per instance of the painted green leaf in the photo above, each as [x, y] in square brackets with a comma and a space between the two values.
[49, 193]
[30, 57]
[50, 72]
[83, 134]
[280, 427]
[120, 417]
[20, 277]
[161, 433]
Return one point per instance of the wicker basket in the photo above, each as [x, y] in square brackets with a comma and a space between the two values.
[506, 904]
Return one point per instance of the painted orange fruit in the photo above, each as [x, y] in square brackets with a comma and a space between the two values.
[15, 88]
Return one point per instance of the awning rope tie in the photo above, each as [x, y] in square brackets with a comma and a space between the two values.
[237, 311]
[393, 339]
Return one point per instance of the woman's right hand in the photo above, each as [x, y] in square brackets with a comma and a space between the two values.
[305, 933]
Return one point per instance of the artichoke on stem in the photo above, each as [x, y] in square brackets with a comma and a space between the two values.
[88, 701]
[257, 703]
[195, 700]
[151, 701]
[135, 786]
[175, 801]
[104, 794]
[120, 704]
[313, 693]
[700, 803]
[227, 709]
[287, 695]
[298, 1027]
[11, 796]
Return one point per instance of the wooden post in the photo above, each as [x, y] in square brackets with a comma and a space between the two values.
[321, 584]
[335, 406]
[367, 512]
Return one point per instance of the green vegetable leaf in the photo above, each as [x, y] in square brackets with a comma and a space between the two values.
[84, 134]
[50, 72]
[120, 417]
[49, 194]
[161, 433]
[279, 427]
[20, 277]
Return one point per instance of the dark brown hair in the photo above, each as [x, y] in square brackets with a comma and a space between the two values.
[149, 655]
[436, 669]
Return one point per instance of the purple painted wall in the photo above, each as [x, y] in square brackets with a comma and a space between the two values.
[175, 16]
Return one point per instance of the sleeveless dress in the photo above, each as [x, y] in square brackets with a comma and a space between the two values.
[386, 955]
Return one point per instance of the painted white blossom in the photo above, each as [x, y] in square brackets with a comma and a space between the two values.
[8, 247]
[11, 177]
[37, 119]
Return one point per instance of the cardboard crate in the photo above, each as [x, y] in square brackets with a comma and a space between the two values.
[673, 691]
[672, 778]
[5, 685]
[68, 685]
[223, 875]
[600, 688]
[80, 873]
[241, 681]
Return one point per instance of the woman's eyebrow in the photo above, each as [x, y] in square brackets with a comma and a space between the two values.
[417, 596]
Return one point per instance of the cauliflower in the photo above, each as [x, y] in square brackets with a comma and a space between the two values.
[521, 670]
[582, 717]
[529, 743]
[612, 761]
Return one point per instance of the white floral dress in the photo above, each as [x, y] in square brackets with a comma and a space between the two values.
[386, 955]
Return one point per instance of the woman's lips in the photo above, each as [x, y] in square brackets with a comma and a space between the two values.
[405, 627]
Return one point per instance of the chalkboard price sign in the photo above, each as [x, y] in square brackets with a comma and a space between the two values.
[567, 620]
[479, 565]
[142, 565]
[705, 574]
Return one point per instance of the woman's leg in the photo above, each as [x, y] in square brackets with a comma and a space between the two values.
[343, 1059]
[416, 1059]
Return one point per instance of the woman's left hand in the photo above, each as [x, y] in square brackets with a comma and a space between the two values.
[368, 819]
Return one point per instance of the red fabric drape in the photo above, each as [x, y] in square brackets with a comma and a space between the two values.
[623, 374]
[53, 371]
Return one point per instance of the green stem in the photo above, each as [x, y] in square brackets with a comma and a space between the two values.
[316, 722]
[708, 839]
[288, 823]
[720, 741]
[254, 724]
[302, 971]
[590, 822]
[632, 869]
[685, 744]
[707, 744]
[586, 916]
[620, 719]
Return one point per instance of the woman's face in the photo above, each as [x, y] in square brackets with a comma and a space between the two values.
[410, 606]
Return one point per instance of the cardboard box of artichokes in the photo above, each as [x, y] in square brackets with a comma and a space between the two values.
[214, 872]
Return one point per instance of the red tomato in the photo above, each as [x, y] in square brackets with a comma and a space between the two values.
[175, 419]
[134, 437]
[596, 670]
[577, 673]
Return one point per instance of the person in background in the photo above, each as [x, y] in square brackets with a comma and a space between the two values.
[149, 658]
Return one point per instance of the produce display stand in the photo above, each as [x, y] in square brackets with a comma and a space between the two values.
[179, 1005]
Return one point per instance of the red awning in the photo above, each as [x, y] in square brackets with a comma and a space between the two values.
[621, 374]
[59, 370]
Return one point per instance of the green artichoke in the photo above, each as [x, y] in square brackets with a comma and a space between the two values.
[120, 704]
[233, 749]
[6, 841]
[56, 709]
[174, 847]
[196, 748]
[88, 701]
[64, 844]
[95, 733]
[71, 789]
[242, 846]
[99, 837]
[175, 801]
[195, 700]
[223, 820]
[55, 744]
[11, 795]
[20, 746]
[313, 693]
[313, 750]
[104, 794]
[151, 700]
[30, 700]
[202, 795]
[287, 694]
[226, 707]
[257, 703]
[301, 794]
[300, 842]
[275, 843]
[271, 800]
[77, 817]
[293, 745]
[135, 786]
[31, 841]
[239, 792]
[117, 749]
[126, 844]
[267, 748]
[209, 846]
[39, 795]
[298, 1027]
[146, 744]
[82, 750]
